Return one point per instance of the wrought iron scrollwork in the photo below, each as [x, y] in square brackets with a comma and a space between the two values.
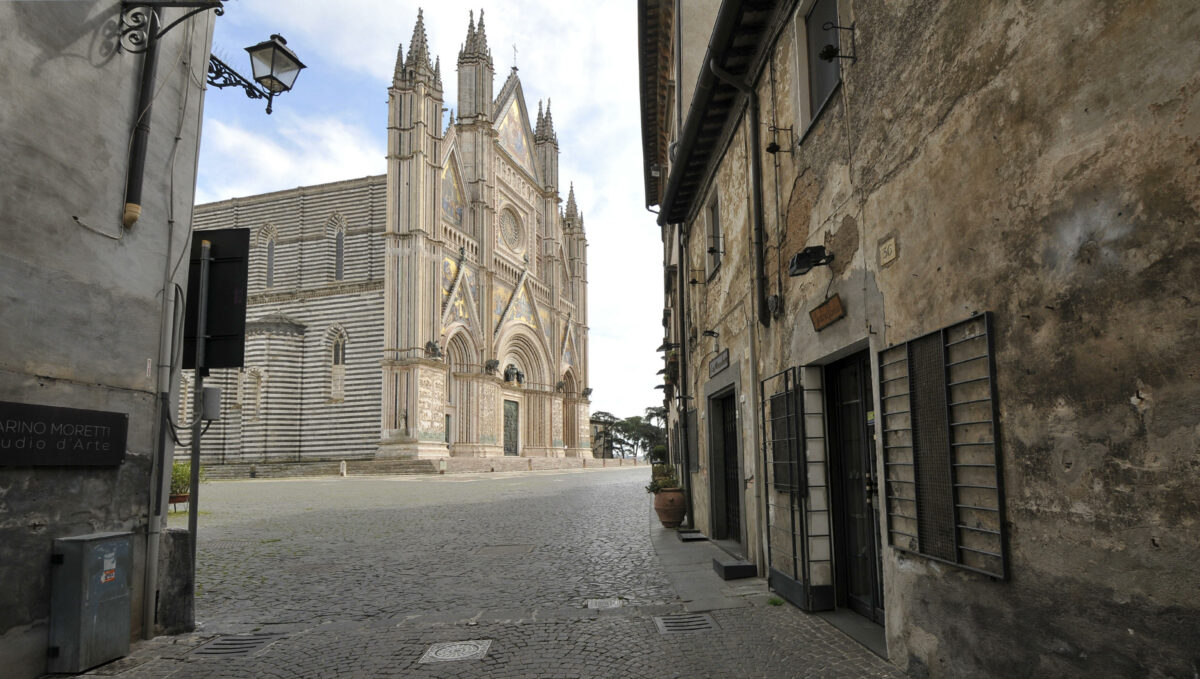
[138, 20]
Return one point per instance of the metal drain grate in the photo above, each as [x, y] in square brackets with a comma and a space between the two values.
[241, 644]
[684, 623]
[457, 650]
[604, 603]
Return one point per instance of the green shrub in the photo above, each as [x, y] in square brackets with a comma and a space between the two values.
[661, 482]
[181, 478]
[657, 454]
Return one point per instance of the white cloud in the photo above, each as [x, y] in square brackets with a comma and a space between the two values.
[304, 151]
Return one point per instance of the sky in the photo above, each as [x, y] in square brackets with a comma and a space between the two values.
[332, 126]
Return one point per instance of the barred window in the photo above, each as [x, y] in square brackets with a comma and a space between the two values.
[944, 490]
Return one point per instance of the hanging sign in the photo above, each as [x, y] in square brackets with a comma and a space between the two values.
[719, 363]
[828, 312]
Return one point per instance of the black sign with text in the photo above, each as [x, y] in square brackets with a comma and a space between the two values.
[33, 435]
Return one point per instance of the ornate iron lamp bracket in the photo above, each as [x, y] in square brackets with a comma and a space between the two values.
[220, 75]
[138, 17]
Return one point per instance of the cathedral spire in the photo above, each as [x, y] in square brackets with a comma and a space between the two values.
[572, 209]
[437, 73]
[418, 47]
[541, 123]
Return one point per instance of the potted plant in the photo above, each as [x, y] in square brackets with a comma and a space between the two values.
[181, 482]
[668, 496]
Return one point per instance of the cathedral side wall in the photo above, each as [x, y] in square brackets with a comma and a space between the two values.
[284, 404]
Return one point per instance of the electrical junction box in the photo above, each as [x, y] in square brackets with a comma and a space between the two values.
[90, 601]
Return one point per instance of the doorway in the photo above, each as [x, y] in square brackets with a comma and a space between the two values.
[857, 554]
[512, 420]
[727, 479]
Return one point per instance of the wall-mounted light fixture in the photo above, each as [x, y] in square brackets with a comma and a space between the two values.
[774, 148]
[560, 386]
[717, 245]
[831, 52]
[275, 67]
[804, 261]
[711, 333]
[665, 346]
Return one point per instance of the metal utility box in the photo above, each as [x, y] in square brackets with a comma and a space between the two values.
[89, 601]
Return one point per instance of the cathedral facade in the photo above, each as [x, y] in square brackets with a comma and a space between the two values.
[438, 310]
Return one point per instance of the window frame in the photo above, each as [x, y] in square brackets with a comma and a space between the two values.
[714, 237]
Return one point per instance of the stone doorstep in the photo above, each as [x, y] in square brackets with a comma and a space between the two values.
[734, 569]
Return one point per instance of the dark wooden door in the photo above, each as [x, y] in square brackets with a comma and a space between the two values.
[729, 462]
[856, 520]
[512, 421]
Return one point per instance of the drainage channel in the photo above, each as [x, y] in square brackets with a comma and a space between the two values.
[684, 623]
[237, 645]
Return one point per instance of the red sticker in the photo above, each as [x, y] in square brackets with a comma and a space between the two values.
[109, 575]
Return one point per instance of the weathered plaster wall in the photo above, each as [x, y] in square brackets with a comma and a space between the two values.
[1037, 162]
[79, 311]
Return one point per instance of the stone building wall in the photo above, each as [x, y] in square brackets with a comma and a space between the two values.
[1030, 163]
[85, 298]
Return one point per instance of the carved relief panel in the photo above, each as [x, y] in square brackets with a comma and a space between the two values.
[431, 394]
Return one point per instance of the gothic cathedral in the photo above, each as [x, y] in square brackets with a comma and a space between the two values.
[438, 310]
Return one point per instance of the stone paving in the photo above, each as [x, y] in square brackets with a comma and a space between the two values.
[360, 576]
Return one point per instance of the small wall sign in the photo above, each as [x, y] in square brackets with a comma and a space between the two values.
[719, 363]
[35, 435]
[827, 313]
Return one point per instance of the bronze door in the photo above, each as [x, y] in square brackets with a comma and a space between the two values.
[512, 420]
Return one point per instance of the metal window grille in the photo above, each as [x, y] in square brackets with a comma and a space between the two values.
[797, 512]
[942, 463]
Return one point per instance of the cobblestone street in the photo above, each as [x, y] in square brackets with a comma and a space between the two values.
[360, 576]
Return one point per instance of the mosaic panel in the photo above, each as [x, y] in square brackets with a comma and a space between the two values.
[453, 203]
[512, 136]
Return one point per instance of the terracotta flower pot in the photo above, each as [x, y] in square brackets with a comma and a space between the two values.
[670, 507]
[174, 498]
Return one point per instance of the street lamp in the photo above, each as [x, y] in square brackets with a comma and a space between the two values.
[275, 68]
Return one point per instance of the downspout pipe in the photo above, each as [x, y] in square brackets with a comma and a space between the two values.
[685, 439]
[141, 130]
[760, 276]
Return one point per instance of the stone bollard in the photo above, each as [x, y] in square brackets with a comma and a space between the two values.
[342, 468]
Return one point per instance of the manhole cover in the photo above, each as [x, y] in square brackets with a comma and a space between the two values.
[240, 644]
[504, 550]
[604, 603]
[684, 623]
[457, 650]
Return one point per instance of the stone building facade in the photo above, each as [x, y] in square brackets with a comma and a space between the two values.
[931, 272]
[87, 299]
[438, 310]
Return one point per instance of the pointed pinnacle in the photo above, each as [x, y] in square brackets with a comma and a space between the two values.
[399, 70]
[418, 47]
[481, 34]
[572, 209]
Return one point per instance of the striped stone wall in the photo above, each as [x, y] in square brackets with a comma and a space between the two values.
[288, 391]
